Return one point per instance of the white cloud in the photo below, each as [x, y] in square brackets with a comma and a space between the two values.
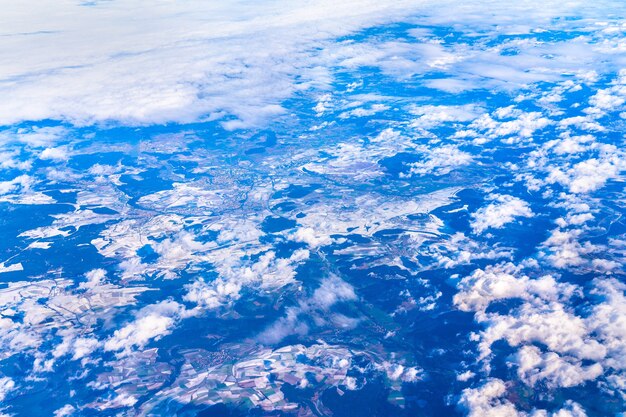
[95, 277]
[311, 237]
[608, 322]
[399, 372]
[152, 323]
[459, 249]
[363, 112]
[140, 332]
[6, 385]
[439, 160]
[503, 210]
[54, 154]
[331, 291]
[19, 183]
[66, 410]
[589, 175]
[36, 137]
[192, 65]
[556, 371]
[433, 116]
[489, 400]
[552, 340]
[465, 376]
[510, 122]
[268, 273]
[559, 330]
[605, 100]
[565, 249]
[501, 282]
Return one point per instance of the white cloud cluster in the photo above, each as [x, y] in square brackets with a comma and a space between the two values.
[608, 321]
[577, 160]
[57, 306]
[457, 249]
[35, 137]
[591, 174]
[510, 123]
[548, 367]
[332, 290]
[489, 400]
[59, 153]
[212, 62]
[439, 160]
[566, 249]
[609, 99]
[268, 273]
[481, 65]
[6, 385]
[151, 323]
[192, 66]
[501, 282]
[195, 66]
[364, 112]
[504, 209]
[433, 116]
[555, 345]
[399, 372]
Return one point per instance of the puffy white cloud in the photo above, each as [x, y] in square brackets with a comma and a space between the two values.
[606, 100]
[399, 372]
[433, 116]
[332, 290]
[54, 154]
[151, 323]
[608, 321]
[489, 400]
[566, 249]
[504, 209]
[140, 332]
[78, 347]
[569, 144]
[19, 183]
[458, 249]
[268, 273]
[66, 410]
[6, 385]
[589, 175]
[312, 238]
[95, 277]
[555, 370]
[501, 282]
[465, 376]
[551, 325]
[523, 124]
[553, 341]
[439, 160]
[364, 112]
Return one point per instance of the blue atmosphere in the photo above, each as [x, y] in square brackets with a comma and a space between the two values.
[366, 209]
